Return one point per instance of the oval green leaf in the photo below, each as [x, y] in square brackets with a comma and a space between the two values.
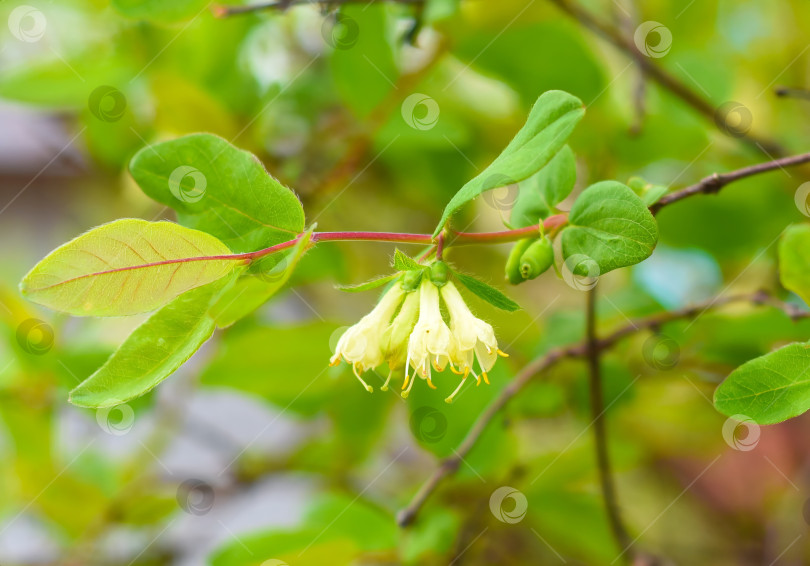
[127, 267]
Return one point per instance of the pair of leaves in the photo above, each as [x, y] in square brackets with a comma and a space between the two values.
[131, 266]
[776, 386]
[550, 123]
[540, 193]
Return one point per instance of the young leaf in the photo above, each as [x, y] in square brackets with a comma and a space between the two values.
[545, 189]
[550, 122]
[127, 267]
[486, 292]
[768, 389]
[794, 260]
[403, 262]
[649, 193]
[610, 225]
[368, 285]
[219, 189]
[253, 290]
[153, 351]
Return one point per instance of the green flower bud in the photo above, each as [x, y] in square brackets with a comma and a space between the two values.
[439, 273]
[513, 274]
[411, 280]
[537, 258]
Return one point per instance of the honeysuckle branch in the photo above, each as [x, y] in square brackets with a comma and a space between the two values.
[713, 183]
[656, 72]
[221, 11]
[448, 466]
[597, 405]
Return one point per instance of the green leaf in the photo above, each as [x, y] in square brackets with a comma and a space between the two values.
[368, 285]
[160, 11]
[153, 351]
[254, 289]
[649, 193]
[610, 225]
[540, 193]
[127, 267]
[794, 260]
[403, 262]
[768, 389]
[486, 292]
[550, 122]
[219, 189]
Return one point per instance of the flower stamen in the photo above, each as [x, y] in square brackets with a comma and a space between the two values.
[368, 387]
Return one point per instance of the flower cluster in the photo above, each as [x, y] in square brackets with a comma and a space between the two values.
[408, 331]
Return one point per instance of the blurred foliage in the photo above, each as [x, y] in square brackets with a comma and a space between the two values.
[318, 96]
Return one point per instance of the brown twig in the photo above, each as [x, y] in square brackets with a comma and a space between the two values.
[657, 73]
[713, 183]
[597, 403]
[448, 466]
[221, 11]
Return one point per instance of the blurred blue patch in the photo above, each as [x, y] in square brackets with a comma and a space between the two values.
[679, 277]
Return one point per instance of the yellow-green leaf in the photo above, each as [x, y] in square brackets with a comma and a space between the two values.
[127, 267]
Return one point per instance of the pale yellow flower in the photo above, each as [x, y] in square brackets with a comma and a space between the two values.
[473, 339]
[362, 344]
[430, 343]
[395, 338]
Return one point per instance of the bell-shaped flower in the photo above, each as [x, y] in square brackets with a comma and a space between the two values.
[430, 343]
[362, 344]
[395, 338]
[473, 339]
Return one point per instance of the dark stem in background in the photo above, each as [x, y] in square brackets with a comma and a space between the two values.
[713, 183]
[449, 465]
[281, 5]
[657, 73]
[597, 398]
[792, 92]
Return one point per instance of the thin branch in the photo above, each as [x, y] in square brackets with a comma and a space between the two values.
[597, 403]
[448, 466]
[656, 72]
[221, 11]
[713, 183]
[792, 92]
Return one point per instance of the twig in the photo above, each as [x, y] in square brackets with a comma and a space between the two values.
[221, 11]
[448, 466]
[792, 92]
[713, 183]
[657, 73]
[597, 398]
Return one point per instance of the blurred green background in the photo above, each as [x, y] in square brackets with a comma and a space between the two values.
[257, 453]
